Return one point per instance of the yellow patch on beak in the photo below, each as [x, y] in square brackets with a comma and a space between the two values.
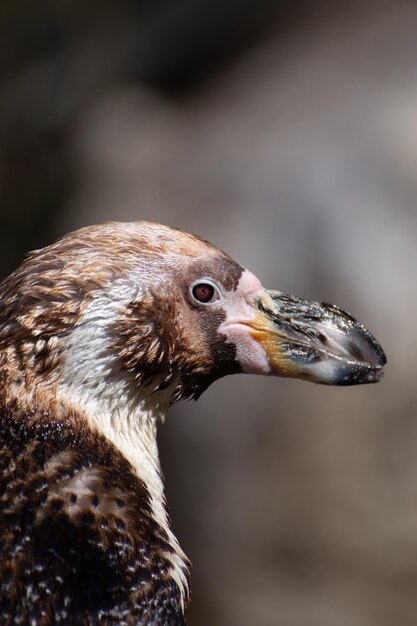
[264, 331]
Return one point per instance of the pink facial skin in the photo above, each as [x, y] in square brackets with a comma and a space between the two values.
[240, 313]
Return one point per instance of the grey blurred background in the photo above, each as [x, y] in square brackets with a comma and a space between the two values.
[286, 133]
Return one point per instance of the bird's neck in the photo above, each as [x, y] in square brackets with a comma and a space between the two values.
[127, 420]
[132, 429]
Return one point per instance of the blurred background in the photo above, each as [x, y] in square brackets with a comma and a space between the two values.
[285, 132]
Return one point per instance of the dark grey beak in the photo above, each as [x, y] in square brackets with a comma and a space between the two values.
[316, 342]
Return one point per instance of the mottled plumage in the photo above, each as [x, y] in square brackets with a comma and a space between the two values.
[99, 334]
[79, 541]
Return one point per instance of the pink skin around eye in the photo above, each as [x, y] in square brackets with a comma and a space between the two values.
[239, 311]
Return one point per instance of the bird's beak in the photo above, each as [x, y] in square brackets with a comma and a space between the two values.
[313, 341]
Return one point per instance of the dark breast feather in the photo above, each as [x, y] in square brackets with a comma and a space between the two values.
[78, 543]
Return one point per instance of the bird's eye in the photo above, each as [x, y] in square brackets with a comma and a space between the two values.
[204, 292]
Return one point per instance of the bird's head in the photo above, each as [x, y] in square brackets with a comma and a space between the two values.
[118, 310]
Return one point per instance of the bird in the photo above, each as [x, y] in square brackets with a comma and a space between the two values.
[100, 333]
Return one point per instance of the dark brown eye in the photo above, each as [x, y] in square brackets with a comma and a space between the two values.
[205, 292]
